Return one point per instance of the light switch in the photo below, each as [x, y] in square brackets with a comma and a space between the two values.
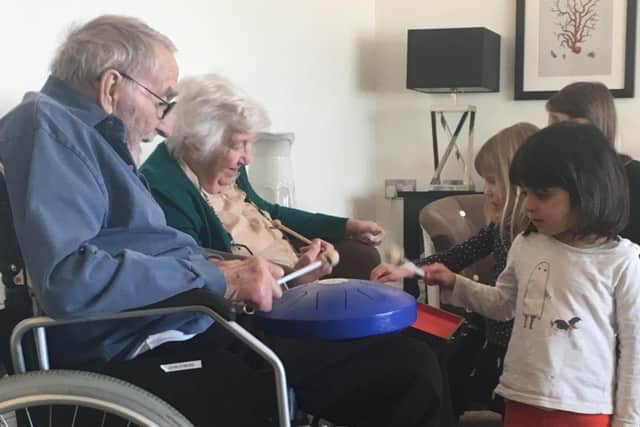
[392, 186]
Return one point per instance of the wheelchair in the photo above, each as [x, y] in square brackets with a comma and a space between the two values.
[80, 388]
[70, 393]
[82, 398]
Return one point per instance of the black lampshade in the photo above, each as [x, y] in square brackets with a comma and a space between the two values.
[453, 60]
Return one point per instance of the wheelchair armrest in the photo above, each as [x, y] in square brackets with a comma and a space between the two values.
[198, 296]
[192, 301]
[221, 255]
[228, 256]
[198, 300]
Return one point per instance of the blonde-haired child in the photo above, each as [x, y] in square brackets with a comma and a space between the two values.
[505, 220]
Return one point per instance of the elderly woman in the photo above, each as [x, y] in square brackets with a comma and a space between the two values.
[198, 176]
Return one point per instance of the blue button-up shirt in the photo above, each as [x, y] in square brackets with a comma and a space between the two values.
[93, 238]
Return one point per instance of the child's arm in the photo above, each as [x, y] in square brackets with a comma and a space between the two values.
[497, 302]
[627, 313]
[385, 273]
[466, 253]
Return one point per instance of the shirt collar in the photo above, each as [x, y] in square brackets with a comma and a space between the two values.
[109, 126]
[79, 105]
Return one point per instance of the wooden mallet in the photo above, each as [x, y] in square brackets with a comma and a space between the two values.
[331, 256]
[394, 256]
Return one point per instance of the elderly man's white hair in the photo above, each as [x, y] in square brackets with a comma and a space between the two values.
[209, 108]
[123, 43]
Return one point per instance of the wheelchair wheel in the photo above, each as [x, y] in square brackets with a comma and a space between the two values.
[75, 398]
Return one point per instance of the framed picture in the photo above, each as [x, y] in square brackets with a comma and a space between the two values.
[563, 41]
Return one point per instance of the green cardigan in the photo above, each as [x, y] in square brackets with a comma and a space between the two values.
[186, 209]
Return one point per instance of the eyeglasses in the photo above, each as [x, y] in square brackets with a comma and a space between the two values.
[166, 105]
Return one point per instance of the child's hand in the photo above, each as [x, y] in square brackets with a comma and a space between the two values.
[438, 274]
[389, 273]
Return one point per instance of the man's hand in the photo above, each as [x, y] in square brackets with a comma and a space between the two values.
[438, 274]
[385, 273]
[365, 231]
[311, 253]
[252, 281]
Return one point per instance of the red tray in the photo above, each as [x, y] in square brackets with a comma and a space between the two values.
[436, 322]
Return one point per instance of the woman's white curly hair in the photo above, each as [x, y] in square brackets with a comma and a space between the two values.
[209, 108]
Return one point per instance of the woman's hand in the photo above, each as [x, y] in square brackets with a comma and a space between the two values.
[312, 253]
[438, 274]
[390, 273]
[366, 231]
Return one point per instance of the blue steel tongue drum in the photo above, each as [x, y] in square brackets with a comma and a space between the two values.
[339, 309]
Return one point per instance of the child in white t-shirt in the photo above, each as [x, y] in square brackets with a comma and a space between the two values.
[570, 284]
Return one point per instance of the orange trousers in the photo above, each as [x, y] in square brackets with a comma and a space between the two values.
[522, 415]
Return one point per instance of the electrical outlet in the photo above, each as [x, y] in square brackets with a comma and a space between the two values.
[392, 186]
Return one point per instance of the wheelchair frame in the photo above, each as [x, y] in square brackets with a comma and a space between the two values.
[38, 324]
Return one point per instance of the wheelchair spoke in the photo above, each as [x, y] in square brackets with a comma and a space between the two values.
[75, 414]
[28, 416]
[80, 399]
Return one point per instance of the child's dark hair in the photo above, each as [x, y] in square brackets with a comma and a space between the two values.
[577, 158]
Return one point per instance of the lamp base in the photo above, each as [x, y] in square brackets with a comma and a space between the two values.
[468, 112]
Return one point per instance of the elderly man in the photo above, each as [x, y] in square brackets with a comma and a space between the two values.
[95, 241]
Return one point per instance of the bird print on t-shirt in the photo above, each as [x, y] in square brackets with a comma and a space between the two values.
[566, 325]
[535, 293]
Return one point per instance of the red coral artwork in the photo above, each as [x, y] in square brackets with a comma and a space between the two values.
[576, 22]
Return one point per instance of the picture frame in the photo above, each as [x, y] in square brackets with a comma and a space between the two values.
[552, 52]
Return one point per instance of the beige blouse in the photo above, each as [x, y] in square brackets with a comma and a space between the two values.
[249, 226]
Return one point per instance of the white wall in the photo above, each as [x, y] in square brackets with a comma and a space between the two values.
[332, 71]
[309, 62]
[403, 132]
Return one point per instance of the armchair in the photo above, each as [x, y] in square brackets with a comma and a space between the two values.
[449, 221]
